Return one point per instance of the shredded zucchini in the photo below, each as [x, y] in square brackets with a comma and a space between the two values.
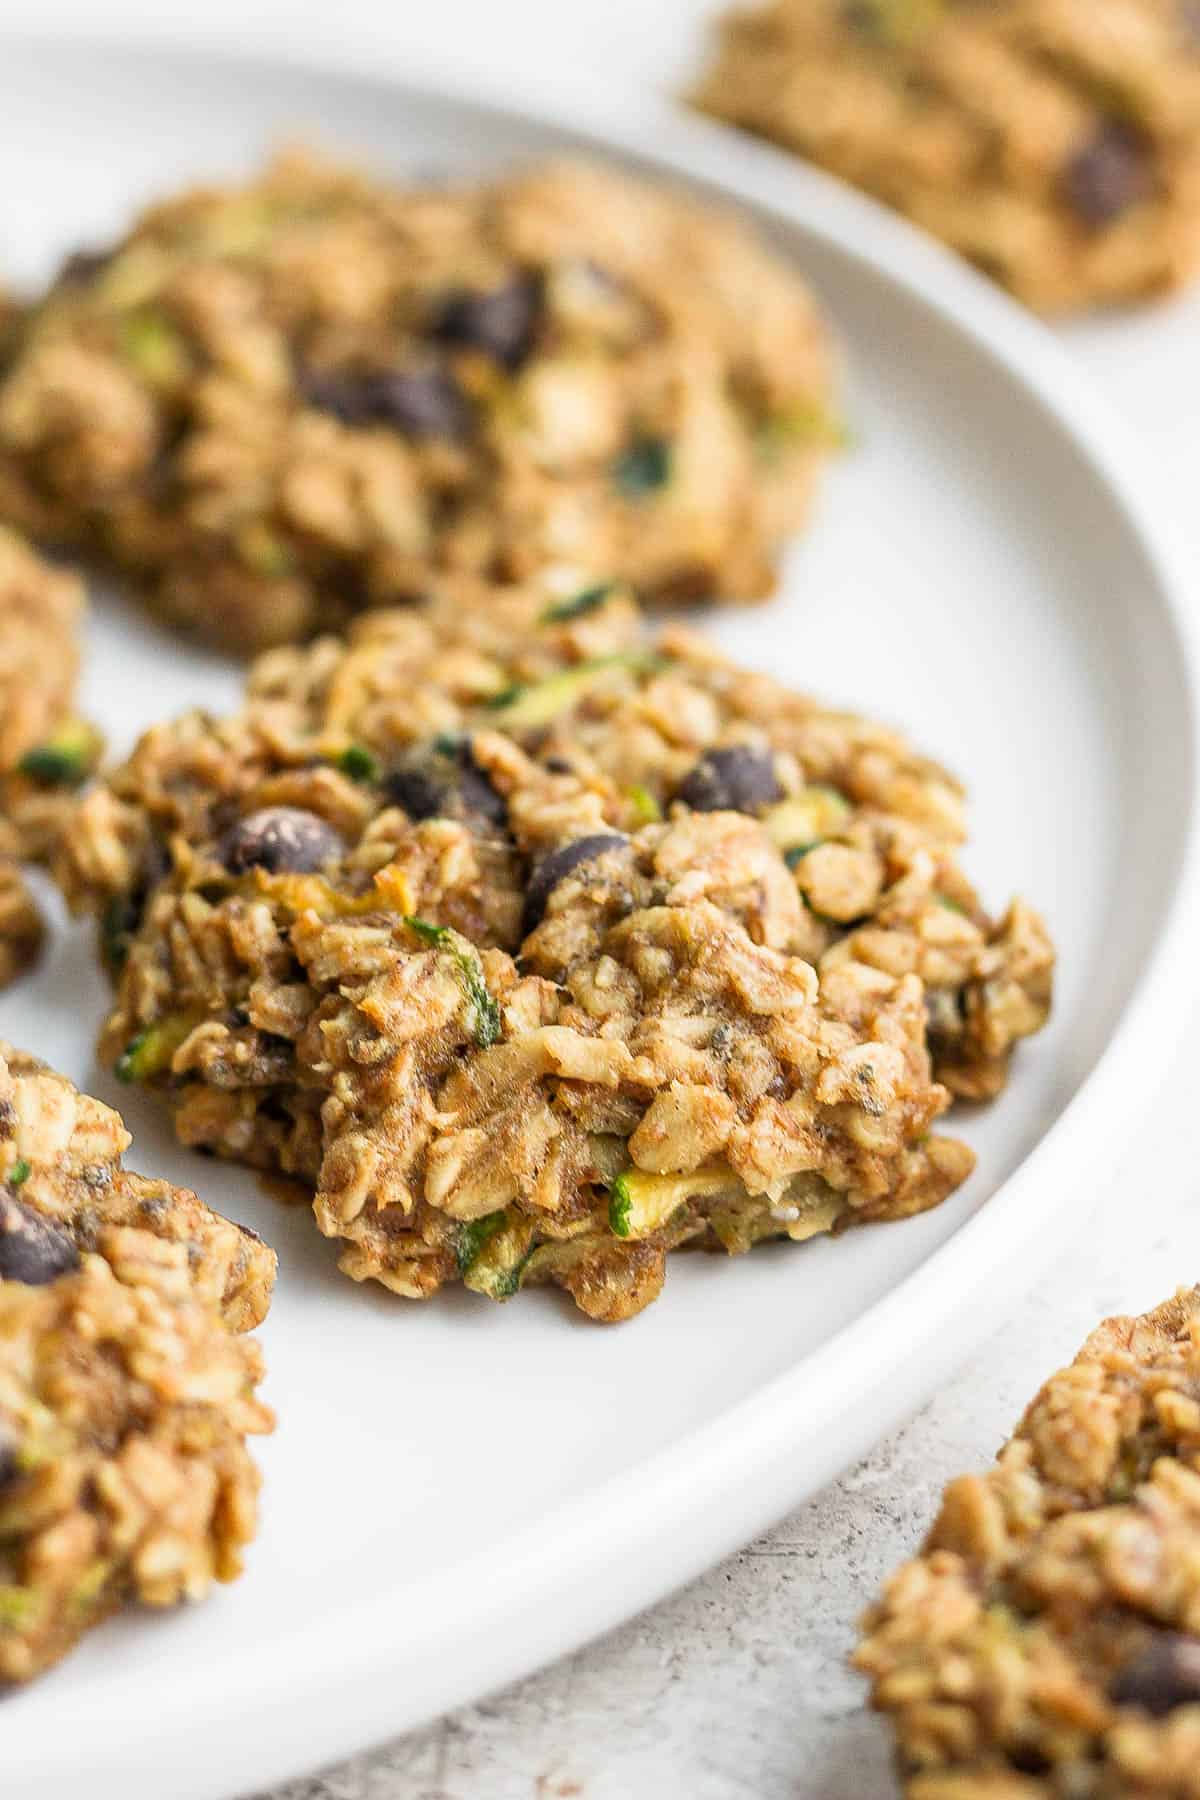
[483, 1006]
[528, 708]
[640, 1204]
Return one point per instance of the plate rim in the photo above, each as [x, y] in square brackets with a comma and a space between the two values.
[741, 1461]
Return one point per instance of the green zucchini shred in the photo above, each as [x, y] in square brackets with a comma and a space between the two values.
[498, 1265]
[646, 807]
[19, 1607]
[484, 1007]
[619, 1204]
[474, 1235]
[644, 468]
[358, 763]
[578, 605]
[64, 760]
[537, 703]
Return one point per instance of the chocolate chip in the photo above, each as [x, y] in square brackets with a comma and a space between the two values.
[10, 1465]
[557, 865]
[426, 404]
[736, 779]
[1111, 173]
[417, 788]
[863, 16]
[281, 839]
[1164, 1675]
[82, 266]
[348, 395]
[122, 916]
[479, 796]
[32, 1250]
[443, 781]
[422, 403]
[503, 323]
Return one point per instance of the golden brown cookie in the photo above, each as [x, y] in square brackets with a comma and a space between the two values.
[539, 945]
[45, 752]
[125, 1397]
[1054, 143]
[273, 405]
[1045, 1645]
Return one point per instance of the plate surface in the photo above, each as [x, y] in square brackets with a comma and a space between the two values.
[459, 1491]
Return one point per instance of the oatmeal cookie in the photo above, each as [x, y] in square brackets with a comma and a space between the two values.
[62, 1150]
[273, 405]
[1055, 143]
[1047, 1640]
[539, 946]
[125, 1397]
[45, 752]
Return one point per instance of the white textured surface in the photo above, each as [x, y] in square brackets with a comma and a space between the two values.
[737, 1687]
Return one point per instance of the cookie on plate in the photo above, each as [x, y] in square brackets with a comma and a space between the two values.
[275, 404]
[540, 946]
[45, 751]
[125, 1395]
[1046, 1642]
[1055, 143]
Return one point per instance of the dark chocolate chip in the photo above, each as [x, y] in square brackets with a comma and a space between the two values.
[863, 16]
[479, 796]
[347, 394]
[425, 404]
[1164, 1675]
[422, 403]
[557, 865]
[1111, 173]
[419, 789]
[122, 917]
[503, 323]
[1028, 1759]
[82, 266]
[32, 1250]
[10, 1465]
[736, 779]
[443, 781]
[281, 839]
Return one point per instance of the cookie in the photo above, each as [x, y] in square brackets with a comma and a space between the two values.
[45, 752]
[64, 1149]
[125, 1397]
[540, 946]
[1046, 1642]
[21, 928]
[273, 405]
[1054, 143]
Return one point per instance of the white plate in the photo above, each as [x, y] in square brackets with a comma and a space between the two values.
[459, 1491]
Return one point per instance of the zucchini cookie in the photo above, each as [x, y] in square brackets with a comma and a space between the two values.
[1046, 1643]
[125, 1397]
[539, 946]
[1054, 143]
[273, 405]
[45, 752]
